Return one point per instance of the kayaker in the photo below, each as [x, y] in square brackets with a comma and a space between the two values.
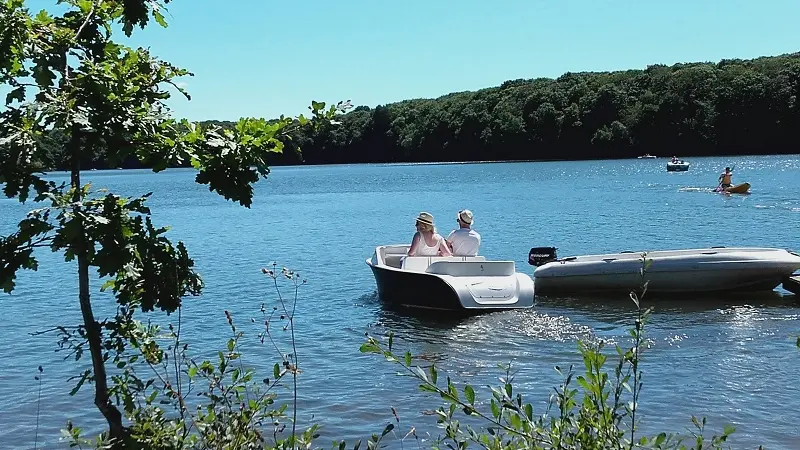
[725, 178]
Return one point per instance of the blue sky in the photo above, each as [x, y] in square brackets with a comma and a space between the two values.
[266, 58]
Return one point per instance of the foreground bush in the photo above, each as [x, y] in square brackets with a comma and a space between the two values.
[174, 401]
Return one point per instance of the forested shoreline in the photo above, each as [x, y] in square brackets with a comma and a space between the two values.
[691, 109]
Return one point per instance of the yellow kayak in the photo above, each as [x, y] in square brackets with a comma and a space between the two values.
[738, 189]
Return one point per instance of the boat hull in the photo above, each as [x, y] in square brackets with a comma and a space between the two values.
[414, 290]
[715, 270]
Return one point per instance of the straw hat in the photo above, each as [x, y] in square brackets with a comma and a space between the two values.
[425, 218]
[465, 216]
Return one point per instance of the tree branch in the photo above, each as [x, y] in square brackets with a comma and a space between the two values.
[78, 34]
[93, 330]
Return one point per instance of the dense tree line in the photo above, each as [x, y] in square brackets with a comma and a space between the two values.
[693, 109]
[731, 107]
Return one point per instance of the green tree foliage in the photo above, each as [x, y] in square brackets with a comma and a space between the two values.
[176, 400]
[77, 97]
[702, 109]
[731, 107]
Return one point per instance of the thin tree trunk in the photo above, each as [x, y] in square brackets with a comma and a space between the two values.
[93, 332]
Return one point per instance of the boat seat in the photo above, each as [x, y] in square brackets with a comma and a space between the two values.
[394, 260]
[416, 263]
[474, 269]
[421, 263]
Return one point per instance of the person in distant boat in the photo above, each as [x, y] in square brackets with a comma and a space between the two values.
[675, 160]
[464, 241]
[426, 241]
[725, 178]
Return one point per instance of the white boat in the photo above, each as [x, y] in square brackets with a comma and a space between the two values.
[448, 282]
[680, 166]
[706, 270]
[647, 156]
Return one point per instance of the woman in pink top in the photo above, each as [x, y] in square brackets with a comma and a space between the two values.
[426, 241]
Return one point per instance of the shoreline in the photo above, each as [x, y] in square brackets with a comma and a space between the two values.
[447, 163]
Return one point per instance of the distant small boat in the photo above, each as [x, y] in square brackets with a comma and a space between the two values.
[742, 188]
[647, 156]
[680, 166]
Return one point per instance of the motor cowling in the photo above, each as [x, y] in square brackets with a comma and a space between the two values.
[542, 255]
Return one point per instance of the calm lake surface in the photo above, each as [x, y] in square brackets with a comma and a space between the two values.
[732, 360]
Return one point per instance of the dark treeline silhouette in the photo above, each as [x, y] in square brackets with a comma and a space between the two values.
[694, 109]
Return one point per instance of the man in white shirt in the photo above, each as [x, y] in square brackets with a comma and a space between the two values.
[464, 241]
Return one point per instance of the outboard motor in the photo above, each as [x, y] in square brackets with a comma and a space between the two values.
[542, 255]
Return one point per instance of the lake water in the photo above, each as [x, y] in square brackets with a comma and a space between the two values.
[731, 360]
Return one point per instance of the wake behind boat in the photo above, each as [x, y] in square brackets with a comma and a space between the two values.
[707, 270]
[448, 282]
